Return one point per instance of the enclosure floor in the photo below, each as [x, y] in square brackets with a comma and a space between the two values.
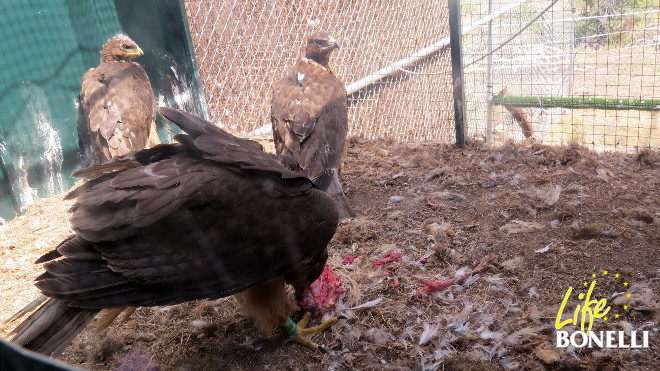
[540, 218]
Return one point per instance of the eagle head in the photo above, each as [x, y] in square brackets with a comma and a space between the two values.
[120, 48]
[319, 47]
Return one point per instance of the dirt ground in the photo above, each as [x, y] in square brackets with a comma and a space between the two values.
[511, 227]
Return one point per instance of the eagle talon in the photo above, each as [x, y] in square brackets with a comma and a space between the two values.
[303, 335]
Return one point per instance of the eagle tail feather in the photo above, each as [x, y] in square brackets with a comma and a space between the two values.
[330, 184]
[52, 327]
[28, 308]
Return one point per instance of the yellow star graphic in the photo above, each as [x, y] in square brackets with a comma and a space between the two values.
[593, 275]
[625, 307]
[625, 283]
[627, 295]
[616, 275]
[605, 273]
[605, 318]
[617, 315]
[585, 283]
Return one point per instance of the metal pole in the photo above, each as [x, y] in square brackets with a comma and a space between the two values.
[572, 67]
[489, 72]
[457, 70]
[396, 66]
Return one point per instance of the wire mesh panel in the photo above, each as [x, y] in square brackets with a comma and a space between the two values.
[535, 61]
[617, 56]
[572, 62]
[243, 47]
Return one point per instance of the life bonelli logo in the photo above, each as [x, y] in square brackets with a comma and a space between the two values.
[591, 310]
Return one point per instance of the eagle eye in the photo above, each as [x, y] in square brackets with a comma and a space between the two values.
[321, 42]
[124, 46]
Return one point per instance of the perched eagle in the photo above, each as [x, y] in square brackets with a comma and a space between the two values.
[309, 114]
[207, 217]
[117, 108]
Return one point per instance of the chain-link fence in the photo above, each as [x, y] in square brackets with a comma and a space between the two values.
[594, 54]
[555, 55]
[243, 46]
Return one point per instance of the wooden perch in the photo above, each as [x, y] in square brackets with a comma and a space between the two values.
[578, 102]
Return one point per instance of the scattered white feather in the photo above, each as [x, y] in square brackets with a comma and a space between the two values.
[508, 304]
[616, 293]
[517, 226]
[461, 272]
[406, 335]
[459, 326]
[550, 195]
[426, 363]
[648, 325]
[491, 335]
[626, 327]
[379, 336]
[533, 293]
[444, 349]
[486, 319]
[544, 249]
[470, 280]
[477, 355]
[496, 280]
[491, 351]
[198, 323]
[428, 334]
[518, 336]
[369, 304]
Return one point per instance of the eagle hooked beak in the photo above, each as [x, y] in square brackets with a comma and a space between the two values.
[333, 43]
[138, 52]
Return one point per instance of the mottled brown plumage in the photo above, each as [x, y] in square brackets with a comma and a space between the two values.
[309, 114]
[205, 218]
[117, 107]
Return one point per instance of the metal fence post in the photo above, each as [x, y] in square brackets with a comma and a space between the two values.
[489, 86]
[457, 70]
[572, 58]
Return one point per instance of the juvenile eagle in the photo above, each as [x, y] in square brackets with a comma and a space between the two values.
[309, 114]
[117, 108]
[207, 217]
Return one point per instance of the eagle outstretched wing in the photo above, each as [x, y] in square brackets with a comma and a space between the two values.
[206, 218]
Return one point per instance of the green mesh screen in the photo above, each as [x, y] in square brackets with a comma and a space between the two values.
[47, 46]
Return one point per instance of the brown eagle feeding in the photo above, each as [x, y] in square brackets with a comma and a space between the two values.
[117, 108]
[207, 217]
[309, 115]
